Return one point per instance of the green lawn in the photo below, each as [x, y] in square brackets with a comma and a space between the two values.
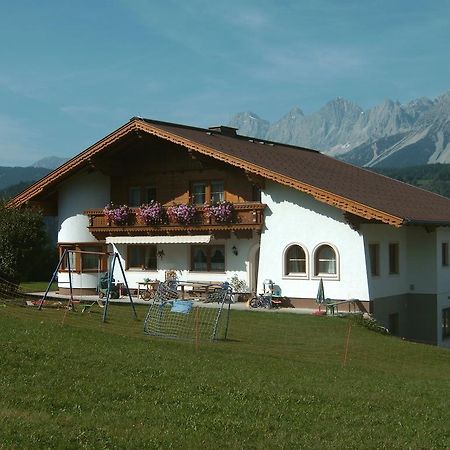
[69, 381]
[37, 286]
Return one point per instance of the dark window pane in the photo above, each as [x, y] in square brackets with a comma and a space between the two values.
[89, 261]
[325, 261]
[394, 259]
[150, 258]
[374, 257]
[295, 260]
[199, 193]
[217, 191]
[150, 194]
[134, 196]
[200, 260]
[217, 259]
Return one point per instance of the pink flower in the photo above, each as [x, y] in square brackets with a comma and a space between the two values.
[222, 212]
[118, 215]
[152, 213]
[184, 214]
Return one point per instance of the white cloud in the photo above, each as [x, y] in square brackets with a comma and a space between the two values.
[248, 18]
[297, 64]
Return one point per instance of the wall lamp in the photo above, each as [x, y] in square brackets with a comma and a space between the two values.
[234, 250]
[161, 253]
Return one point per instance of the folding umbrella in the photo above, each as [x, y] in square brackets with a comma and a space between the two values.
[320, 297]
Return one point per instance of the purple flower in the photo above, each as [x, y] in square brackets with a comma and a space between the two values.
[152, 213]
[222, 212]
[118, 215]
[184, 214]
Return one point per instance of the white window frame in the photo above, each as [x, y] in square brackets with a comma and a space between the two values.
[328, 276]
[295, 275]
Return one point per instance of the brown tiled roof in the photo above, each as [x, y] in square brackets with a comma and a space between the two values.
[347, 187]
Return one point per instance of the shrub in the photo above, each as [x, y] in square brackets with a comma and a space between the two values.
[24, 249]
[368, 322]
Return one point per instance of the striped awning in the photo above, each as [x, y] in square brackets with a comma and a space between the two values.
[189, 239]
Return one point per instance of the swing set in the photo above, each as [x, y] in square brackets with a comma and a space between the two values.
[65, 261]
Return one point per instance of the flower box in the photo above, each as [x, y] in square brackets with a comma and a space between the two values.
[183, 214]
[152, 213]
[118, 215]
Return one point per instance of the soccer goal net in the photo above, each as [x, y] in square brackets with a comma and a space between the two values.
[171, 317]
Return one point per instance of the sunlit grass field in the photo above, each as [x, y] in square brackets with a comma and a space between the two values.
[67, 380]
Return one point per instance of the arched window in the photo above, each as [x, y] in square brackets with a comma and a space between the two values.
[295, 261]
[325, 261]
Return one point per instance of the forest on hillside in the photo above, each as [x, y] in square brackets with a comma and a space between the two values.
[432, 177]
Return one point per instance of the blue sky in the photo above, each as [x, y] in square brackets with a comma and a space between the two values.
[73, 71]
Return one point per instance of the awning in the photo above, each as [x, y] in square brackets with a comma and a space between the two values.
[200, 239]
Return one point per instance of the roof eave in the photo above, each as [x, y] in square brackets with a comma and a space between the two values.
[136, 124]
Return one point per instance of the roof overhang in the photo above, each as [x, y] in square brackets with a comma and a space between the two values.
[188, 239]
[137, 125]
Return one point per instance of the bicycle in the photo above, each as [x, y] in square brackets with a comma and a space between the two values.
[270, 298]
[261, 301]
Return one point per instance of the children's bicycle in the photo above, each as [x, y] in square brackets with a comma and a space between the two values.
[261, 301]
[270, 298]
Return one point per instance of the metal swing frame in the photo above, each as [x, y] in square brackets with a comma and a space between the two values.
[70, 304]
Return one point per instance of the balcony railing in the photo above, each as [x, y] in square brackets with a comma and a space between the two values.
[247, 216]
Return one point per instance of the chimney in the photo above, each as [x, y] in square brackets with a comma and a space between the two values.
[224, 130]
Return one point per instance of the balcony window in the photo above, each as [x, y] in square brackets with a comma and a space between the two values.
[207, 192]
[206, 258]
[199, 193]
[217, 192]
[149, 194]
[134, 196]
[137, 195]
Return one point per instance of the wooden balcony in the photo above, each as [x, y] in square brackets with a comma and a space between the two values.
[248, 217]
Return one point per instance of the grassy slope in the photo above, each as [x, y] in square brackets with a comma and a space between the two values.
[278, 383]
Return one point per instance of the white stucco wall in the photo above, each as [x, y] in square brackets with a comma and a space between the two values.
[82, 191]
[294, 217]
[178, 257]
[386, 284]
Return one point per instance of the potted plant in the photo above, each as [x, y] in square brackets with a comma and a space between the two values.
[118, 215]
[239, 287]
[222, 212]
[152, 213]
[184, 214]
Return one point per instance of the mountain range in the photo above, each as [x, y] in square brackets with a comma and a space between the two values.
[14, 179]
[388, 135]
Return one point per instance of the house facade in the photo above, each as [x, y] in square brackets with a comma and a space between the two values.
[298, 217]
